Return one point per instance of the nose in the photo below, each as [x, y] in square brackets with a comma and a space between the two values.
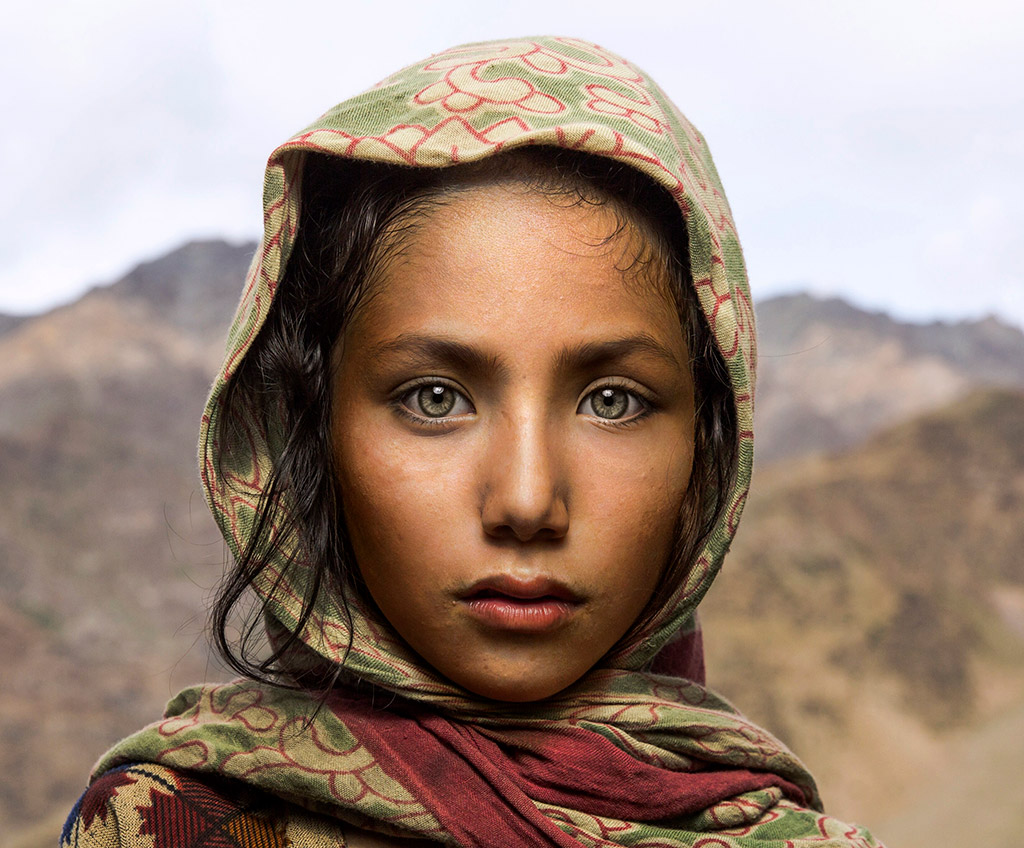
[524, 495]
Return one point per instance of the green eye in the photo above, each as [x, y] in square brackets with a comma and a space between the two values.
[612, 403]
[435, 401]
[609, 403]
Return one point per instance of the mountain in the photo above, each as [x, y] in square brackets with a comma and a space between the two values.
[873, 602]
[830, 375]
[193, 288]
[9, 322]
[107, 550]
[867, 613]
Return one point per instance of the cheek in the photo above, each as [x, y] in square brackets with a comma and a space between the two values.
[643, 487]
[631, 507]
[396, 503]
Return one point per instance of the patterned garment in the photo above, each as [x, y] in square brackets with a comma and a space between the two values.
[152, 806]
[624, 757]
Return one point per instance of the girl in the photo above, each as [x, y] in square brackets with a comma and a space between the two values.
[479, 445]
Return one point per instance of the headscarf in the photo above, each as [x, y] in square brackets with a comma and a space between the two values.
[624, 756]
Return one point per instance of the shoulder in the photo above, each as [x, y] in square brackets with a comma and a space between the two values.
[147, 805]
[792, 822]
[151, 806]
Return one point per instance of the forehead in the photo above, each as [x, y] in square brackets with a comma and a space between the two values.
[506, 256]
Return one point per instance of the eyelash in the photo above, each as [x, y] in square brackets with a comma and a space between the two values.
[408, 390]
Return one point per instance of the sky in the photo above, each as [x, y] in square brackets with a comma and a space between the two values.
[871, 149]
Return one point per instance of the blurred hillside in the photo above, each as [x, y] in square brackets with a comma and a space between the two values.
[107, 550]
[830, 374]
[872, 608]
[871, 613]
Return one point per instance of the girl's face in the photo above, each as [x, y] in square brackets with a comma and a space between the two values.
[513, 435]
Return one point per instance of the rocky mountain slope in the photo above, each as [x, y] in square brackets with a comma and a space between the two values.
[873, 604]
[107, 550]
[830, 374]
[867, 614]
[9, 322]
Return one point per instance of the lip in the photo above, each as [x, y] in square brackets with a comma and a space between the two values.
[536, 605]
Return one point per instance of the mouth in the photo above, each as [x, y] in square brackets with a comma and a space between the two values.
[507, 603]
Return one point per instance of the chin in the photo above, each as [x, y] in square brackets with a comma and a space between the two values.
[517, 694]
[517, 689]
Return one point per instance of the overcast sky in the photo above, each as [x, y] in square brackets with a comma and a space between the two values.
[873, 149]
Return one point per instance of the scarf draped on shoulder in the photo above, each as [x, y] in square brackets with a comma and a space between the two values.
[626, 756]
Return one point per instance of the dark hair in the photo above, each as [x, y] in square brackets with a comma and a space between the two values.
[353, 215]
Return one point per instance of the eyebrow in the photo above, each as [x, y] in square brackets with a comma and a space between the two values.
[592, 354]
[429, 350]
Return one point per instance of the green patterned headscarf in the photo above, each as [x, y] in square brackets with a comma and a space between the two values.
[460, 106]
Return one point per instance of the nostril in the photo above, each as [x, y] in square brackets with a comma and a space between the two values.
[527, 532]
